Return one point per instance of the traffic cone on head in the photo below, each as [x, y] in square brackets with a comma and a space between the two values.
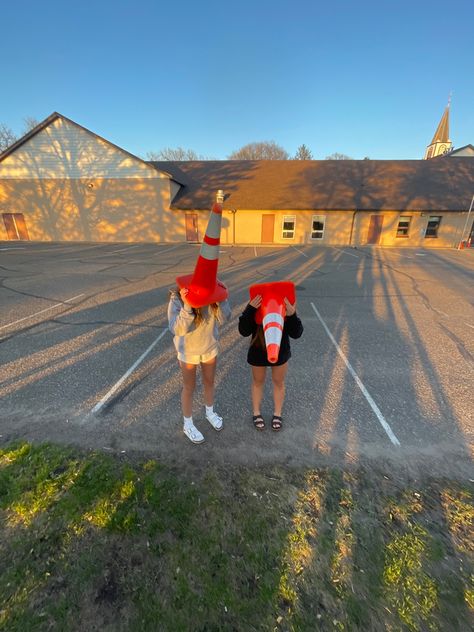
[271, 313]
[203, 285]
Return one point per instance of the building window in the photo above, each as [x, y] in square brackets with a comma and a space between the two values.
[317, 227]
[289, 222]
[433, 226]
[403, 226]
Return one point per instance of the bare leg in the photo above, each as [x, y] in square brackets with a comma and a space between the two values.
[208, 374]
[188, 371]
[258, 384]
[278, 379]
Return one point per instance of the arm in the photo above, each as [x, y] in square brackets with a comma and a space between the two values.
[226, 311]
[294, 326]
[247, 324]
[180, 317]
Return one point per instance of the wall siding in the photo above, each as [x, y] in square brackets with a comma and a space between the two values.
[64, 150]
[337, 230]
[112, 210]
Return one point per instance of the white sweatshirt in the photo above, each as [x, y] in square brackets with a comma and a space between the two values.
[192, 340]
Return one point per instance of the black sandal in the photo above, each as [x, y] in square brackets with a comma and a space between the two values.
[276, 423]
[258, 422]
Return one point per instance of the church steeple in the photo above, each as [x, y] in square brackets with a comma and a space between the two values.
[440, 144]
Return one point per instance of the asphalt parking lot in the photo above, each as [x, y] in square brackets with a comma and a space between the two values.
[385, 367]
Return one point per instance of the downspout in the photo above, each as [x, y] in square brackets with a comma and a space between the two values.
[352, 226]
[233, 211]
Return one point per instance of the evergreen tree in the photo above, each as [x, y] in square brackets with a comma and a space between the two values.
[303, 153]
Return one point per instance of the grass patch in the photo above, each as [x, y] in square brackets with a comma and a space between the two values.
[94, 541]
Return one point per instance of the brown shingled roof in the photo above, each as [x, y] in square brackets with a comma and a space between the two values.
[417, 185]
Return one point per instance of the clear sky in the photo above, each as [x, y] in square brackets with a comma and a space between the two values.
[363, 78]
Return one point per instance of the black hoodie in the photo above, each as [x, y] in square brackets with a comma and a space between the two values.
[257, 355]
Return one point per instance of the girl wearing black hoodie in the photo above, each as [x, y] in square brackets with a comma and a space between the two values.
[257, 358]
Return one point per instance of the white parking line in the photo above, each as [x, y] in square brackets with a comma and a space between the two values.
[344, 252]
[41, 311]
[255, 250]
[67, 249]
[121, 249]
[301, 252]
[127, 374]
[14, 248]
[174, 247]
[359, 383]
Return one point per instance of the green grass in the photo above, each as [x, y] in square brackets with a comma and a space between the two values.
[94, 541]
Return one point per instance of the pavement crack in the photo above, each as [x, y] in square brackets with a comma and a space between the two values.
[415, 283]
[459, 344]
[31, 295]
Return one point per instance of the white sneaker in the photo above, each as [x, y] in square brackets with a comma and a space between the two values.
[193, 433]
[215, 421]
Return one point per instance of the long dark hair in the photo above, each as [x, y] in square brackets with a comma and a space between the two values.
[258, 339]
[199, 317]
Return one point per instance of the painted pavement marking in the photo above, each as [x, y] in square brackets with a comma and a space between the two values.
[41, 311]
[385, 425]
[127, 374]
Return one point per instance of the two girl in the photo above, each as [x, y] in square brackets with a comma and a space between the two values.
[196, 336]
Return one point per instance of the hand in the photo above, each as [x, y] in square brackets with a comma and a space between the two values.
[256, 301]
[184, 293]
[290, 309]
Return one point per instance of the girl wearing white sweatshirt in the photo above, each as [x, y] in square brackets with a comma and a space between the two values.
[196, 337]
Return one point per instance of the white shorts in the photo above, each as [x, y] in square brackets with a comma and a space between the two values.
[197, 359]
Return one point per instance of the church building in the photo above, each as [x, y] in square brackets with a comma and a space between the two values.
[63, 182]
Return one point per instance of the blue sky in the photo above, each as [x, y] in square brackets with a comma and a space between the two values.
[362, 78]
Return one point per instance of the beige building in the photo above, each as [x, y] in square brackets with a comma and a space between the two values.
[62, 182]
[337, 202]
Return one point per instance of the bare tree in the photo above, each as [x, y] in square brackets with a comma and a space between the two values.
[168, 153]
[29, 123]
[265, 150]
[303, 153]
[7, 137]
[337, 156]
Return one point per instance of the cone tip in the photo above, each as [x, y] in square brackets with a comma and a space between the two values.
[273, 351]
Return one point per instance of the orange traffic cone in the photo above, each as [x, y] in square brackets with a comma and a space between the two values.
[271, 313]
[203, 285]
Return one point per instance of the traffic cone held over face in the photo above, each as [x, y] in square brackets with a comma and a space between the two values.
[203, 285]
[272, 311]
